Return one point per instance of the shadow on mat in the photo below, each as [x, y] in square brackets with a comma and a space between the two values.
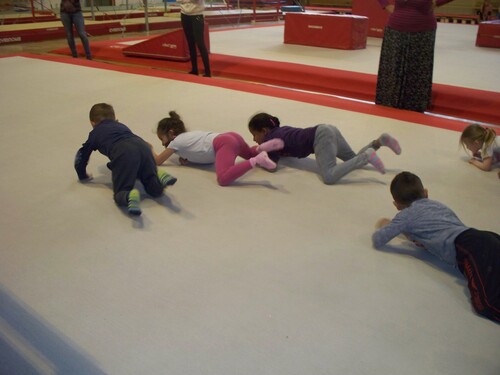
[31, 346]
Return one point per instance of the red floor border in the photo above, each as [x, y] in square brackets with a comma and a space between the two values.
[262, 89]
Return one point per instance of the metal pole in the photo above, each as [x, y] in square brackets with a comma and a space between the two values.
[146, 16]
[92, 9]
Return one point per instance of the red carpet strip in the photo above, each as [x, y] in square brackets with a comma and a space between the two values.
[262, 89]
[459, 102]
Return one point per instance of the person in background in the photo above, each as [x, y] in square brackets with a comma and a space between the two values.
[486, 11]
[434, 227]
[193, 24]
[407, 56]
[71, 14]
[484, 145]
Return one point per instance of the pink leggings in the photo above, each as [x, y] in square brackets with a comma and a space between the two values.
[227, 147]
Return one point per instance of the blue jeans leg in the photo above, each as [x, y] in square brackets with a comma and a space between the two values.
[76, 19]
[67, 22]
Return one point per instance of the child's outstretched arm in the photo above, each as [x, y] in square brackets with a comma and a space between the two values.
[163, 156]
[484, 165]
[81, 161]
[382, 222]
[386, 230]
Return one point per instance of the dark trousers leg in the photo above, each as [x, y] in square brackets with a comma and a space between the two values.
[194, 30]
[199, 35]
[124, 170]
[187, 26]
[67, 22]
[148, 173]
[478, 258]
[131, 159]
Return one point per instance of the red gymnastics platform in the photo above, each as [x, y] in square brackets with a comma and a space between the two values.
[326, 30]
[131, 14]
[169, 46]
[488, 34]
[458, 102]
[38, 31]
[377, 17]
[122, 14]
[38, 17]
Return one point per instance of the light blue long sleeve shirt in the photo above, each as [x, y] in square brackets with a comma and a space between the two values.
[430, 224]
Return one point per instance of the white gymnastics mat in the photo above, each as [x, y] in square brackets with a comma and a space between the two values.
[274, 275]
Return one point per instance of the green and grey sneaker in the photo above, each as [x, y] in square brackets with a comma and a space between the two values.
[166, 179]
[134, 202]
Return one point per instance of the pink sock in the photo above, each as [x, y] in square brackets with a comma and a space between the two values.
[263, 160]
[374, 160]
[271, 145]
[386, 140]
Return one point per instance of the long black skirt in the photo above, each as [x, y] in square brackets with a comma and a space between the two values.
[405, 70]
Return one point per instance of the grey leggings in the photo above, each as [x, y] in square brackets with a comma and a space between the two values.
[330, 144]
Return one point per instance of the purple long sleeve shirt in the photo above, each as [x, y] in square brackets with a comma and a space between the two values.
[412, 15]
[299, 142]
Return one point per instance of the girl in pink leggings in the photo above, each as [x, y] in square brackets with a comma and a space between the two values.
[201, 147]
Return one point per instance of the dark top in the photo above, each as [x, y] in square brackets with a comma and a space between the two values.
[413, 15]
[102, 138]
[299, 142]
[70, 6]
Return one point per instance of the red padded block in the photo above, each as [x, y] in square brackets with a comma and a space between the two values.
[55, 32]
[377, 16]
[326, 30]
[488, 34]
[169, 46]
[105, 17]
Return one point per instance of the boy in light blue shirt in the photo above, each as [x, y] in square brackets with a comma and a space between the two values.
[436, 228]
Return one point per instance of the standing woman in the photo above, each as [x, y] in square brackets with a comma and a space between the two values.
[193, 24]
[407, 56]
[71, 14]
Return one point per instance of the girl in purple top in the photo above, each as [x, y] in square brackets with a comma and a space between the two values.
[407, 56]
[325, 141]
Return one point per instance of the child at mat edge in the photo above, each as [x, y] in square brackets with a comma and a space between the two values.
[130, 159]
[202, 147]
[325, 141]
[436, 228]
[484, 145]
